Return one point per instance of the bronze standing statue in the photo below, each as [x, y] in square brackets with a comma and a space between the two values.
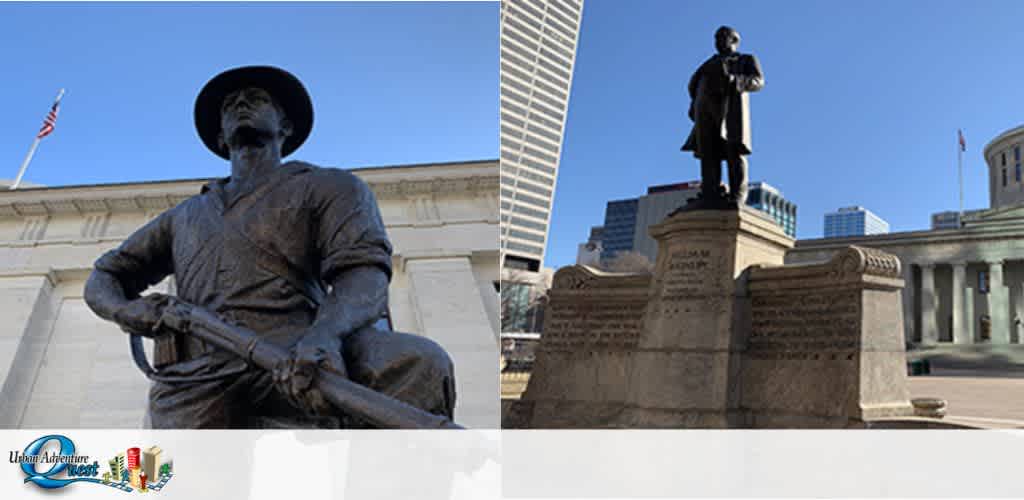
[720, 110]
[282, 271]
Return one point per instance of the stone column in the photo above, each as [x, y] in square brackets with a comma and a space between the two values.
[1019, 313]
[909, 291]
[998, 304]
[929, 334]
[969, 319]
[450, 310]
[959, 320]
[28, 315]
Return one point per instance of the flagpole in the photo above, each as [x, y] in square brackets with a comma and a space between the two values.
[960, 172]
[24, 164]
[32, 150]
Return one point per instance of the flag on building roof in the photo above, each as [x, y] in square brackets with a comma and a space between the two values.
[51, 118]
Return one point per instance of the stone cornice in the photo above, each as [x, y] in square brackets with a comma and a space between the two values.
[52, 274]
[747, 220]
[857, 266]
[1015, 132]
[387, 183]
[976, 234]
[590, 279]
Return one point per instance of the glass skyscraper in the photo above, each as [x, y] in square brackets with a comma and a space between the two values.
[766, 198]
[619, 226]
[853, 221]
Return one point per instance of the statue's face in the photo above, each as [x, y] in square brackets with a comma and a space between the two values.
[727, 41]
[252, 110]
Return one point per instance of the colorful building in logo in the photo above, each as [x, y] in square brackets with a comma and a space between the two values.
[151, 461]
[117, 468]
[133, 458]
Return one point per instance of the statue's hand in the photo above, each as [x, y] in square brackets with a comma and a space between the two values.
[316, 350]
[141, 315]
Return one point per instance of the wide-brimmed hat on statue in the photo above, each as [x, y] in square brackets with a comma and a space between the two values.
[282, 86]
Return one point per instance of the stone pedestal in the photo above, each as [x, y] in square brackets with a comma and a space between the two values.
[686, 364]
[825, 348]
[591, 328]
[721, 335]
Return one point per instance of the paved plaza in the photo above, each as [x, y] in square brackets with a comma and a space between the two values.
[980, 397]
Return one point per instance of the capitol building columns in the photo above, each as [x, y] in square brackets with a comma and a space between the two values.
[929, 332]
[963, 302]
[961, 323]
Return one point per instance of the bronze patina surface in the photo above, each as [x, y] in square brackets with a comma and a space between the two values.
[294, 253]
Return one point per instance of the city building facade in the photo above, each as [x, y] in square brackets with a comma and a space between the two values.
[853, 221]
[589, 253]
[523, 297]
[619, 227]
[653, 207]
[538, 52]
[768, 199]
[950, 219]
[63, 367]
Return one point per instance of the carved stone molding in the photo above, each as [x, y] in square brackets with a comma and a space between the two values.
[862, 260]
[437, 187]
[587, 278]
[34, 228]
[126, 198]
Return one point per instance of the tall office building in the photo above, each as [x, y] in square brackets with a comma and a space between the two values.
[538, 51]
[765, 197]
[619, 226]
[653, 207]
[589, 253]
[853, 221]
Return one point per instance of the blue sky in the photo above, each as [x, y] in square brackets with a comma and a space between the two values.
[391, 83]
[861, 104]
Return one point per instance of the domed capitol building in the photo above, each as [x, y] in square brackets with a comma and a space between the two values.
[61, 366]
[964, 279]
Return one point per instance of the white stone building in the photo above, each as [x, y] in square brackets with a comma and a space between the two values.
[963, 285]
[63, 367]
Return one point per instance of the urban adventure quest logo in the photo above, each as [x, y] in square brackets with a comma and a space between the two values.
[51, 462]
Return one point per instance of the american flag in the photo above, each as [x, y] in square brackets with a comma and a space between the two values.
[960, 137]
[51, 119]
